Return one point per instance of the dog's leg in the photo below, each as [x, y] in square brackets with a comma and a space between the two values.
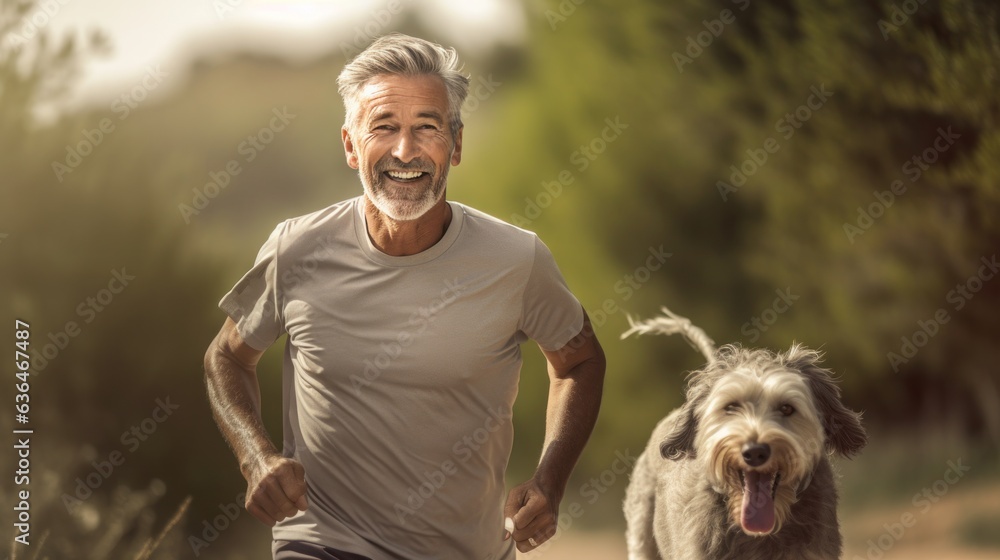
[640, 500]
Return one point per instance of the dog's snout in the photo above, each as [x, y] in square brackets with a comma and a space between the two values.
[756, 454]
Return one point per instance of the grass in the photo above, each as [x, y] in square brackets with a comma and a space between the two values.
[151, 545]
[885, 477]
[101, 546]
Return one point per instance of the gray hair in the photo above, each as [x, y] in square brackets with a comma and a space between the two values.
[403, 55]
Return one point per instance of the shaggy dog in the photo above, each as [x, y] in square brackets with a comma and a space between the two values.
[740, 470]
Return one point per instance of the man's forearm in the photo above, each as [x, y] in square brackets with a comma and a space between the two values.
[573, 406]
[234, 396]
[276, 486]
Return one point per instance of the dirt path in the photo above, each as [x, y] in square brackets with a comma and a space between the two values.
[577, 545]
[932, 536]
[932, 528]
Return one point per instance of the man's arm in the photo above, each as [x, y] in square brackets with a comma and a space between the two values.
[276, 486]
[576, 381]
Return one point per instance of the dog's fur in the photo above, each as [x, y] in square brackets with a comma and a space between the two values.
[685, 498]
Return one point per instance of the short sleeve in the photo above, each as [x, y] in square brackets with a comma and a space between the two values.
[550, 314]
[254, 302]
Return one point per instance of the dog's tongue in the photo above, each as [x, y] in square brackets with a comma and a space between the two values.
[758, 506]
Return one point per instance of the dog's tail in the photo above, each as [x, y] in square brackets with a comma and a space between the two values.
[671, 323]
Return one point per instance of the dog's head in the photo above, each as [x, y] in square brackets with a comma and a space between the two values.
[760, 422]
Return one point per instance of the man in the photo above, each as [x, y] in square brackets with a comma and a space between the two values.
[404, 313]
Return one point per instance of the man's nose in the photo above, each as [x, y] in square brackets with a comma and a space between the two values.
[406, 148]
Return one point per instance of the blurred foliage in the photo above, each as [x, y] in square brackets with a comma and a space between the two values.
[650, 181]
[981, 532]
[693, 118]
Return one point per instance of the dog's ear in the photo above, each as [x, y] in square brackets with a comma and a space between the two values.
[844, 433]
[679, 443]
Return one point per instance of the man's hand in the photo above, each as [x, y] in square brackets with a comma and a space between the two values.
[576, 379]
[276, 486]
[531, 515]
[276, 489]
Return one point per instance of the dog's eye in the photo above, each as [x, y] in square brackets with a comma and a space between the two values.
[787, 409]
[732, 407]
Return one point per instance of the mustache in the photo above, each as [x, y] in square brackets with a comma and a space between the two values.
[390, 162]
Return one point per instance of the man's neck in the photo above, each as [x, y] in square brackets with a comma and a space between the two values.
[399, 239]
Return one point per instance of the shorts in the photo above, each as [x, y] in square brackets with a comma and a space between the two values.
[301, 550]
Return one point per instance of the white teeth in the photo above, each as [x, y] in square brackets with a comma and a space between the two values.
[405, 174]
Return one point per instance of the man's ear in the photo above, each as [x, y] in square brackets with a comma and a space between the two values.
[350, 150]
[456, 154]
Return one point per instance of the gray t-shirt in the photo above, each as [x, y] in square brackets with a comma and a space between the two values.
[400, 374]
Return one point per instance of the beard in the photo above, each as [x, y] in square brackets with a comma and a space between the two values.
[403, 201]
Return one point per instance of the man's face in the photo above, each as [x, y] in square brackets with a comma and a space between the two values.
[402, 144]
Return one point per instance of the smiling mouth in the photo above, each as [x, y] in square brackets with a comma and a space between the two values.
[757, 513]
[405, 176]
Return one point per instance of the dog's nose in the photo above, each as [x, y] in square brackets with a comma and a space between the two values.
[756, 454]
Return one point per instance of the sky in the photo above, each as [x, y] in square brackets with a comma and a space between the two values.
[147, 34]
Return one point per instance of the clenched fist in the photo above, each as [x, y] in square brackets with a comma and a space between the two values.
[532, 513]
[276, 489]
